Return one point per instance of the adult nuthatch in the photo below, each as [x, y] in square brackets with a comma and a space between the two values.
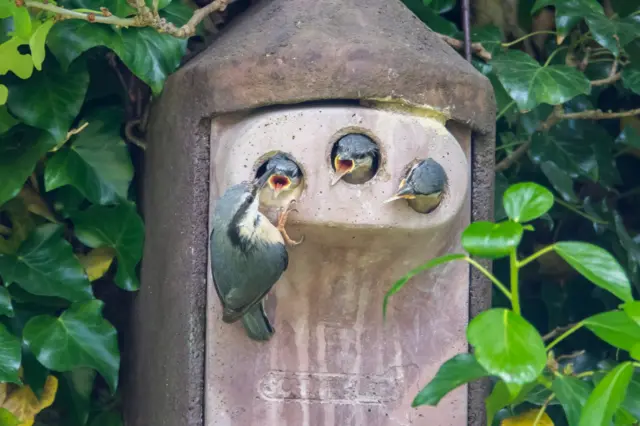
[355, 159]
[423, 186]
[248, 256]
[283, 177]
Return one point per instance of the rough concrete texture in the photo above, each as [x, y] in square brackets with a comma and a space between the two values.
[332, 360]
[279, 52]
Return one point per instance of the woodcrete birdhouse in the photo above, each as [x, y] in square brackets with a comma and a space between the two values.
[296, 77]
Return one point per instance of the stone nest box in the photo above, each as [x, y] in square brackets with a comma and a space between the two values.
[294, 76]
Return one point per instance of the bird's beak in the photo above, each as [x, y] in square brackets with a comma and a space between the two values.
[258, 183]
[404, 193]
[279, 183]
[342, 167]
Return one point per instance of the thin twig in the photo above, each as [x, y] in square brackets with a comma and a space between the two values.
[90, 17]
[556, 331]
[614, 76]
[556, 116]
[466, 28]
[477, 48]
[128, 132]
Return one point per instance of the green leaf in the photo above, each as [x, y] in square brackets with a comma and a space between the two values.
[36, 43]
[434, 21]
[151, 56]
[97, 162]
[631, 402]
[4, 94]
[415, 271]
[527, 201]
[110, 418]
[607, 396]
[35, 374]
[80, 337]
[507, 346]
[572, 394]
[75, 391]
[120, 228]
[46, 266]
[632, 309]
[492, 240]
[178, 13]
[501, 396]
[6, 307]
[117, 7]
[615, 328]
[560, 181]
[529, 84]
[22, 22]
[71, 38]
[7, 121]
[10, 356]
[14, 61]
[461, 369]
[20, 149]
[597, 265]
[51, 99]
[8, 419]
[631, 78]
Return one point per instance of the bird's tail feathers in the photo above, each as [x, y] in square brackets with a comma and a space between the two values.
[256, 323]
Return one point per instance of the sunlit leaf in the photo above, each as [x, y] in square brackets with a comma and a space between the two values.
[507, 346]
[461, 369]
[572, 394]
[12, 60]
[96, 263]
[530, 84]
[22, 22]
[428, 265]
[615, 328]
[37, 41]
[597, 265]
[80, 337]
[607, 396]
[45, 265]
[7, 418]
[120, 228]
[528, 418]
[492, 240]
[10, 356]
[527, 201]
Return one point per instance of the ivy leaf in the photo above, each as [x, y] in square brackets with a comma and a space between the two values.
[10, 356]
[527, 201]
[502, 395]
[151, 56]
[631, 78]
[492, 240]
[615, 328]
[6, 307]
[80, 337]
[597, 265]
[8, 419]
[572, 394]
[109, 418]
[4, 94]
[530, 84]
[442, 6]
[119, 227]
[7, 121]
[20, 149]
[34, 374]
[560, 181]
[21, 22]
[51, 99]
[36, 43]
[117, 7]
[177, 12]
[507, 346]
[14, 61]
[607, 396]
[434, 21]
[44, 265]
[461, 369]
[96, 263]
[71, 38]
[97, 162]
[76, 387]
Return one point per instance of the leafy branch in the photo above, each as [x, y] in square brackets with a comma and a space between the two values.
[145, 17]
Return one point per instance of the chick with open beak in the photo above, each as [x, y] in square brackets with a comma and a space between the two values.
[423, 186]
[355, 159]
[283, 187]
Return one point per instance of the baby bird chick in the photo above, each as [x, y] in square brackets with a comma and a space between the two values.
[284, 178]
[423, 186]
[355, 159]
